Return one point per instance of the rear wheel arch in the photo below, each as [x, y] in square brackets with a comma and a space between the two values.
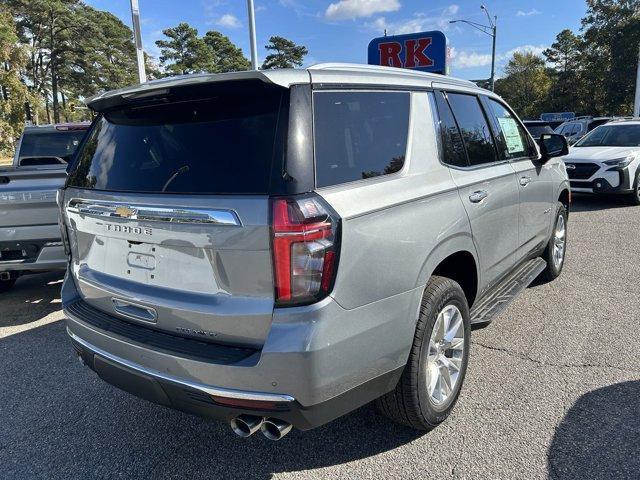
[462, 268]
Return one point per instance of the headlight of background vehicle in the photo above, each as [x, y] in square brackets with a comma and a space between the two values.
[621, 162]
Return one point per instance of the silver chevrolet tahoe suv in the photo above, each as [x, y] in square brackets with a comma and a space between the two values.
[278, 248]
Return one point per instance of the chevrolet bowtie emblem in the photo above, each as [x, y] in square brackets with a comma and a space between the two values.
[125, 212]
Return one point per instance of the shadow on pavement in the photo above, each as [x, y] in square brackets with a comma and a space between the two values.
[590, 203]
[599, 437]
[60, 421]
[32, 298]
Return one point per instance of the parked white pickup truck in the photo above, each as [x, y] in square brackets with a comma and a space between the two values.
[29, 230]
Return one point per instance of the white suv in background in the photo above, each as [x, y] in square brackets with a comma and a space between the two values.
[607, 160]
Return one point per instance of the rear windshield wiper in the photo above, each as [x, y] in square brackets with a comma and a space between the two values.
[180, 171]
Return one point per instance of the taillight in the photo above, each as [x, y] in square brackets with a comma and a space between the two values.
[305, 249]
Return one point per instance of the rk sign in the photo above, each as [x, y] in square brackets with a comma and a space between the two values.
[426, 51]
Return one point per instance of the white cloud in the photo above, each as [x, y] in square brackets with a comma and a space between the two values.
[465, 59]
[533, 11]
[535, 49]
[418, 23]
[451, 10]
[470, 59]
[228, 20]
[351, 9]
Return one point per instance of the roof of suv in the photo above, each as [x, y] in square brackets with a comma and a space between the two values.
[328, 73]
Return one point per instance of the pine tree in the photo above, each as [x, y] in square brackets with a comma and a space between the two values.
[286, 54]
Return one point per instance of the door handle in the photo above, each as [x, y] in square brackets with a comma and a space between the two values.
[477, 197]
[524, 181]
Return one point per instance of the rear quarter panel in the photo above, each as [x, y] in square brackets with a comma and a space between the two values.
[397, 228]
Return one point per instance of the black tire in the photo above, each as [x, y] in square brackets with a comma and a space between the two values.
[635, 196]
[554, 270]
[410, 403]
[6, 285]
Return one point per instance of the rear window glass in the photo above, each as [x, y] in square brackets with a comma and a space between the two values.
[222, 143]
[41, 148]
[359, 135]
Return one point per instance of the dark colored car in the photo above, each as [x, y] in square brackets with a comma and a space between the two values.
[537, 127]
[49, 144]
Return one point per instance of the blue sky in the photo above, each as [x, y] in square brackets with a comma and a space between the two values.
[339, 30]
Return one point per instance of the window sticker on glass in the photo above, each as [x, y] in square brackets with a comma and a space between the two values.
[511, 134]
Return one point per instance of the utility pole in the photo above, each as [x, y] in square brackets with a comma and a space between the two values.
[252, 34]
[636, 104]
[491, 30]
[135, 16]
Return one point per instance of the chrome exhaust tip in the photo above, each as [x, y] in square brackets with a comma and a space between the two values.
[275, 429]
[246, 425]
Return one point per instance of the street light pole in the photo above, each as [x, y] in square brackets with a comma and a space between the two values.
[135, 17]
[636, 104]
[493, 60]
[491, 30]
[252, 34]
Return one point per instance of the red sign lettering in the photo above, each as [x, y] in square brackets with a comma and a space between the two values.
[390, 54]
[415, 53]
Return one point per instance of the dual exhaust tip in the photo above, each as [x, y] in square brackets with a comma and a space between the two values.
[272, 428]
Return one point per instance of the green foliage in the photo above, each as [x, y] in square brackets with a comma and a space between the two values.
[185, 52]
[564, 57]
[12, 111]
[592, 73]
[526, 84]
[286, 54]
[224, 55]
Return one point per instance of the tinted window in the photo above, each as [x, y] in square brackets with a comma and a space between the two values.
[597, 123]
[452, 145]
[359, 135]
[223, 143]
[537, 130]
[619, 135]
[512, 139]
[474, 127]
[39, 145]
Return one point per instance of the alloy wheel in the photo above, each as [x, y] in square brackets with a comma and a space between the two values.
[446, 353]
[559, 242]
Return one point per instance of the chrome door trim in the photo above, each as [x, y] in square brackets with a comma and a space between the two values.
[150, 213]
[208, 389]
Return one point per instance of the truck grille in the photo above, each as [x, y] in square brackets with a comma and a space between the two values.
[582, 171]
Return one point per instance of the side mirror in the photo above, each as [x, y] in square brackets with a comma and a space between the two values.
[552, 145]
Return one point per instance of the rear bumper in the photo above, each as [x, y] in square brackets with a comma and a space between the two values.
[318, 363]
[31, 248]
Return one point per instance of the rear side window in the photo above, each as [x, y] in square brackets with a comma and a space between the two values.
[359, 135]
[474, 128]
[452, 145]
[222, 143]
[512, 139]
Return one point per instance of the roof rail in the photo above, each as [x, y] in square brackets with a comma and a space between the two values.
[381, 69]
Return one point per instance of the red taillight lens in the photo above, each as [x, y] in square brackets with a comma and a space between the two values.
[304, 249]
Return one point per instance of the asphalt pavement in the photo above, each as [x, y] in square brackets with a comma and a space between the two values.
[552, 391]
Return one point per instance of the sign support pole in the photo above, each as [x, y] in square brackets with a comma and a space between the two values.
[252, 35]
[135, 17]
